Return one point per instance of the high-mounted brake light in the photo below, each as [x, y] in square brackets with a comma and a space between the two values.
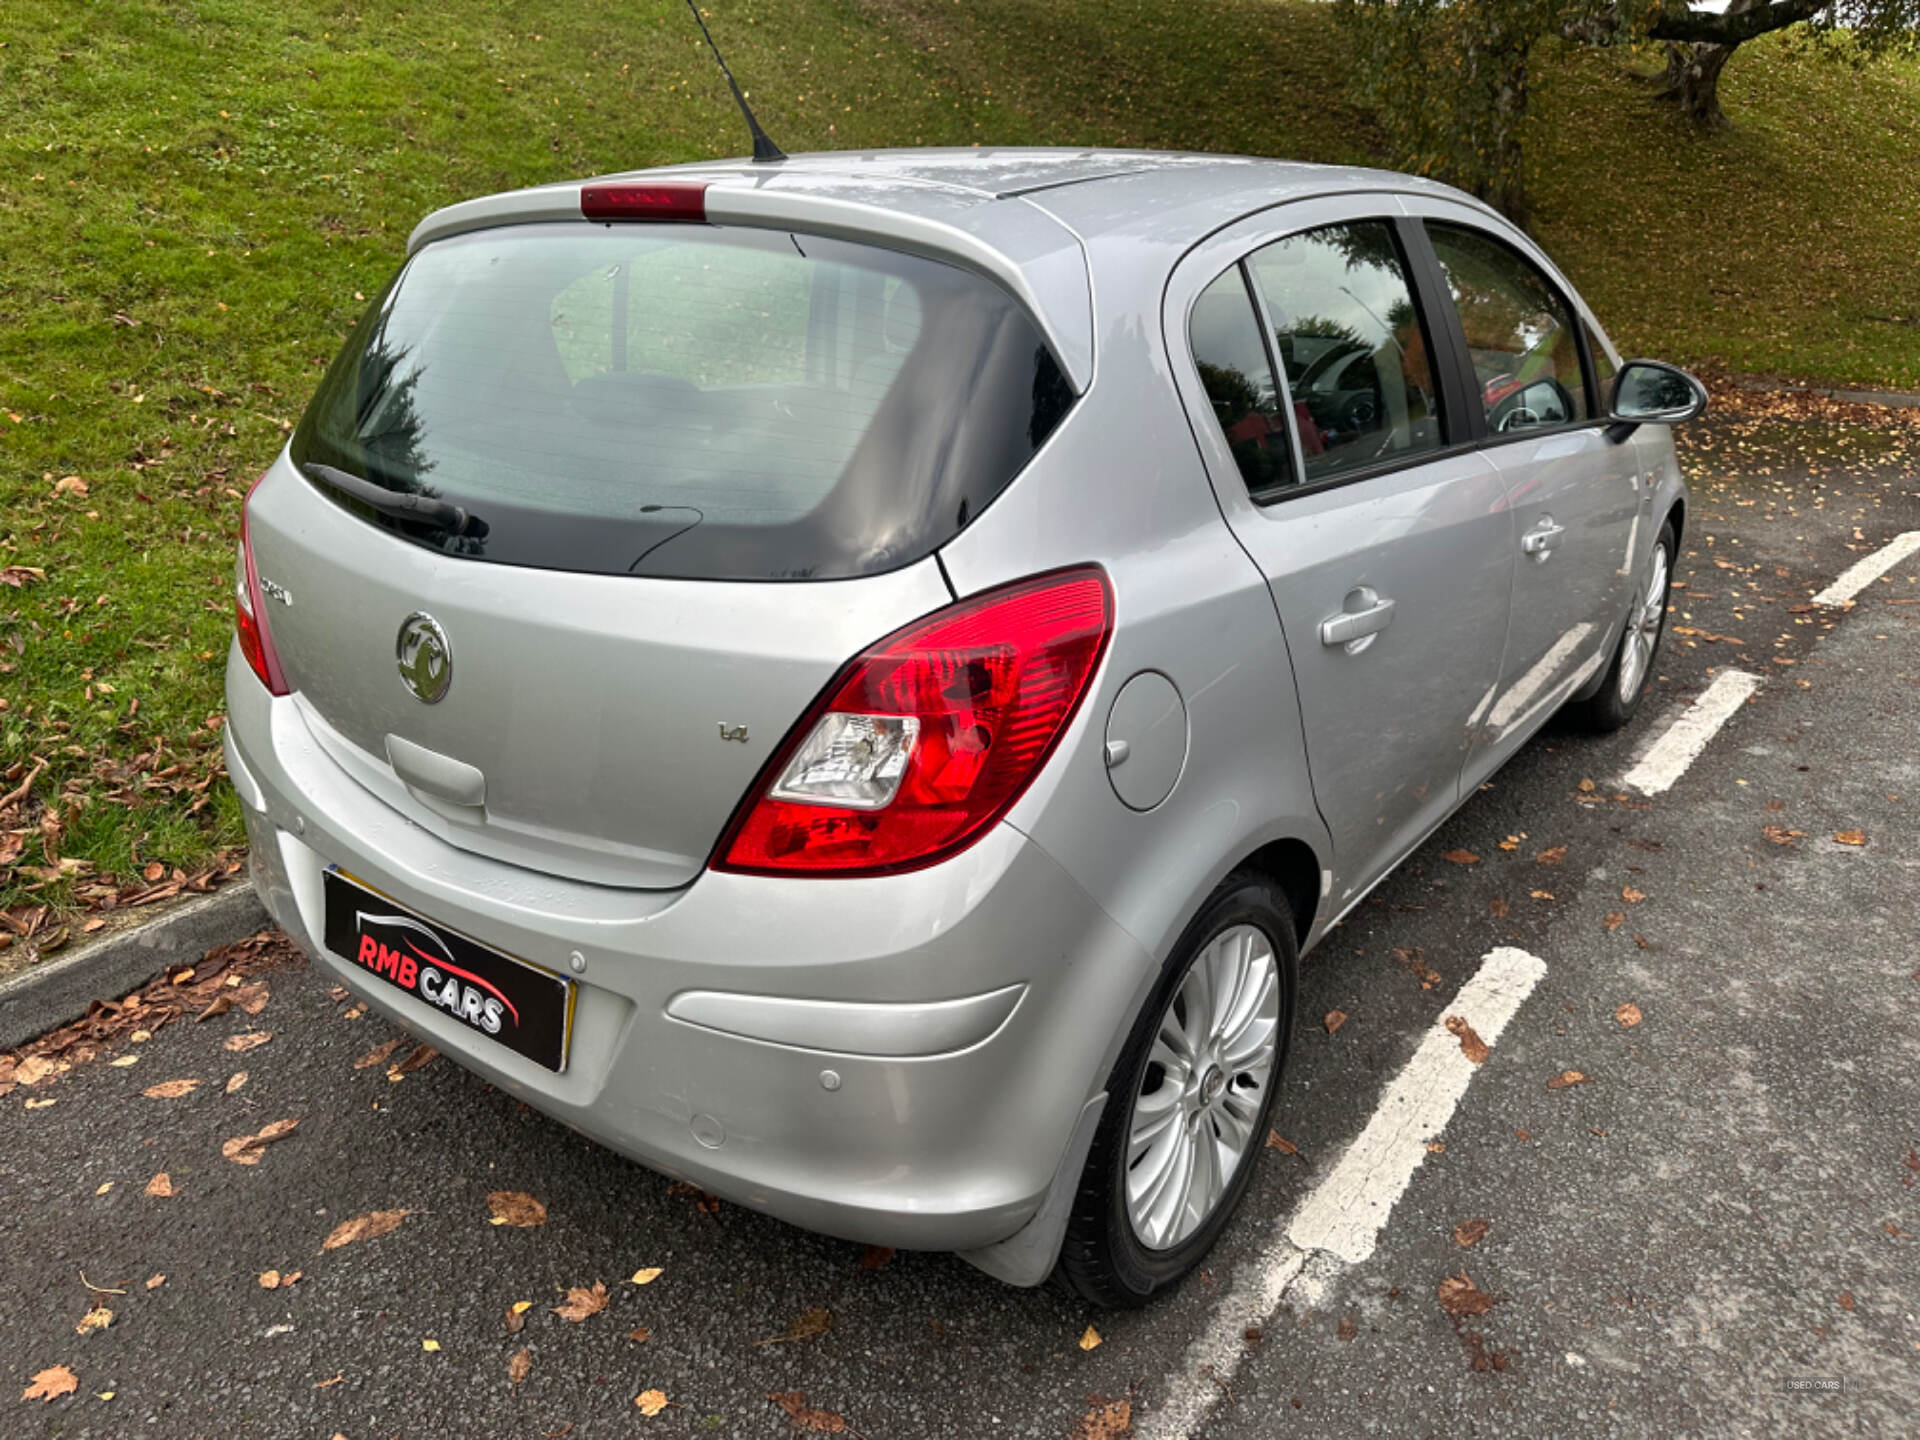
[249, 616]
[927, 739]
[674, 200]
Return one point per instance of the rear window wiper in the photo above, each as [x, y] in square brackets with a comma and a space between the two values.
[441, 514]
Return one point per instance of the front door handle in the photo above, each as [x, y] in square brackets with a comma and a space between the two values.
[1363, 616]
[1542, 540]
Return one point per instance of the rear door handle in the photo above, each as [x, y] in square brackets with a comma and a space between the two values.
[1364, 616]
[1541, 541]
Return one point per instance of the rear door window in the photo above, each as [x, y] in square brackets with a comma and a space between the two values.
[1348, 336]
[1232, 360]
[1520, 332]
[687, 401]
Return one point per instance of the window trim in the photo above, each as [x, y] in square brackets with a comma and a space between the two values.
[1282, 387]
[1490, 439]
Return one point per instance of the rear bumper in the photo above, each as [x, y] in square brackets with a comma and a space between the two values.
[967, 1012]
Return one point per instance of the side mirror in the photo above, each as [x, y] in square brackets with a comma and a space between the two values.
[1648, 392]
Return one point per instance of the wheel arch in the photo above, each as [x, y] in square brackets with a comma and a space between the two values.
[1295, 869]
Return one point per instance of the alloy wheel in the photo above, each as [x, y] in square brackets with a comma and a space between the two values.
[1204, 1087]
[1643, 629]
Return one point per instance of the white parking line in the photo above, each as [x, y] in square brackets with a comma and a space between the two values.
[1683, 741]
[1864, 572]
[1340, 1220]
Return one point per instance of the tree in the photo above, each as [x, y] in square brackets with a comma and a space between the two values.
[1700, 42]
[1449, 79]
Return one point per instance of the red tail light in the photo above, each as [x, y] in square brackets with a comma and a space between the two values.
[927, 739]
[670, 201]
[249, 617]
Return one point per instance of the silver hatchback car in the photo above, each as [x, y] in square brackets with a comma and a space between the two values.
[854, 681]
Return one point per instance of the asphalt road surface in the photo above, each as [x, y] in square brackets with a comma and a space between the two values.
[1716, 1231]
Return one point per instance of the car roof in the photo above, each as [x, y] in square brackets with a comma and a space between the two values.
[1027, 218]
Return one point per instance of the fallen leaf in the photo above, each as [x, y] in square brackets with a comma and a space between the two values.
[1633, 896]
[639, 1334]
[1614, 921]
[1845, 1299]
[1090, 1339]
[169, 1089]
[251, 998]
[161, 1187]
[874, 1256]
[1469, 1233]
[1779, 834]
[1628, 1014]
[269, 1279]
[1347, 1329]
[104, 1187]
[40, 1104]
[123, 1061]
[1523, 1136]
[819, 1422]
[412, 1061]
[247, 1149]
[1497, 908]
[1553, 856]
[810, 1323]
[1851, 837]
[1471, 1045]
[516, 1208]
[1460, 857]
[1108, 1420]
[516, 1320]
[96, 1319]
[370, 1226]
[236, 1080]
[216, 1007]
[646, 1275]
[1460, 1297]
[154, 1282]
[1277, 1141]
[432, 1347]
[69, 485]
[331, 1381]
[248, 1041]
[1541, 894]
[1586, 787]
[378, 1054]
[50, 1384]
[651, 1402]
[582, 1302]
[1436, 1147]
[1334, 1020]
[1566, 1078]
[520, 1366]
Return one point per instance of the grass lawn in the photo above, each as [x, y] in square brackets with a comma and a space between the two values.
[196, 194]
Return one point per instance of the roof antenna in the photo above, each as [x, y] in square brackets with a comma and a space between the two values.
[764, 150]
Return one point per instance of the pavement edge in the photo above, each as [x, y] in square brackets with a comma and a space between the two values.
[59, 990]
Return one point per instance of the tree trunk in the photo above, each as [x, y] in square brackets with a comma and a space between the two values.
[1693, 75]
[1693, 82]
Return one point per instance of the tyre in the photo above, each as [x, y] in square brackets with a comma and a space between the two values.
[1188, 1100]
[1618, 697]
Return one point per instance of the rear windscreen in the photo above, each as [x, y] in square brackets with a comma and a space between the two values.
[680, 400]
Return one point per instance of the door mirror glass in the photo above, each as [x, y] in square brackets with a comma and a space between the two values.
[1647, 392]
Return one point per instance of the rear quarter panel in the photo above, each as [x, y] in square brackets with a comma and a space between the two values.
[1121, 485]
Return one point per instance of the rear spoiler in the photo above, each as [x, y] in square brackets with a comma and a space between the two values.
[1016, 245]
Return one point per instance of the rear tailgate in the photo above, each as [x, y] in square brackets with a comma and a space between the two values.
[603, 713]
